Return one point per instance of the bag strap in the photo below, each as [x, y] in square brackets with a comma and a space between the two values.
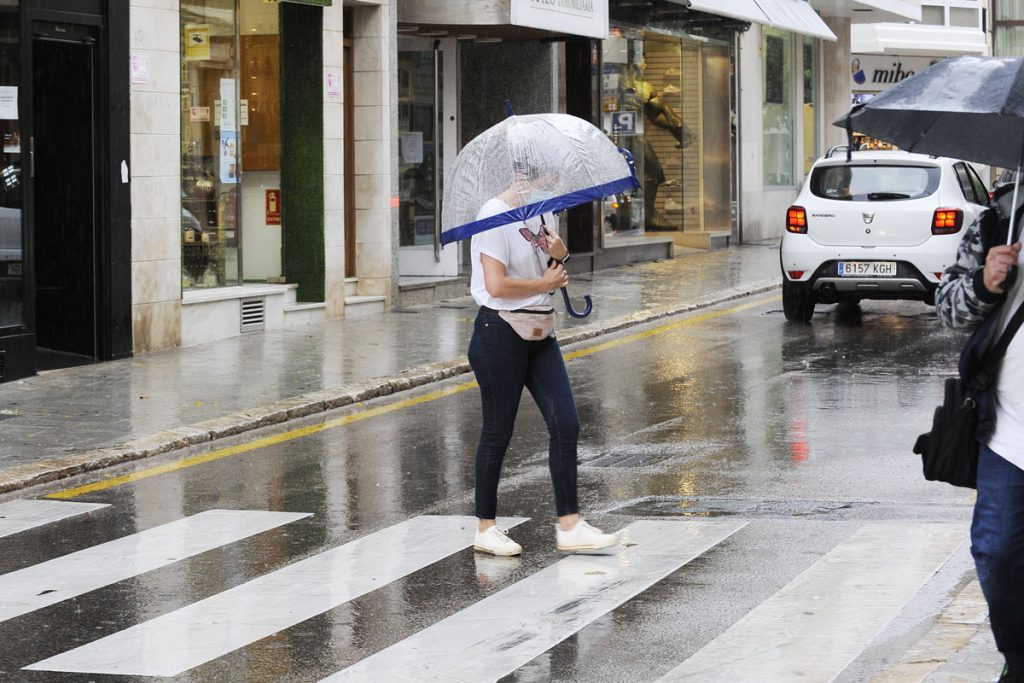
[992, 359]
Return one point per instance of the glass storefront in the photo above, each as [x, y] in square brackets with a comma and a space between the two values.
[419, 83]
[662, 98]
[230, 89]
[777, 48]
[12, 268]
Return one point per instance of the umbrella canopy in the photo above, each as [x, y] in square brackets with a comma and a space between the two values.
[554, 161]
[968, 108]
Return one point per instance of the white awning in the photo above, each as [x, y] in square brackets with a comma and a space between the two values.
[745, 10]
[789, 15]
[796, 16]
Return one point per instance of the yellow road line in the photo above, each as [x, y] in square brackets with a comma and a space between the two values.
[300, 432]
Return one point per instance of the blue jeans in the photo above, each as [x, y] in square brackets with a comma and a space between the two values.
[997, 544]
[504, 363]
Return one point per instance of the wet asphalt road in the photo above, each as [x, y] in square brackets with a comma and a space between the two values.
[801, 432]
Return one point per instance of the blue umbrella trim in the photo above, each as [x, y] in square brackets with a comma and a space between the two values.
[522, 213]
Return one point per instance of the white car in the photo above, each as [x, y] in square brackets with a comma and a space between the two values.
[883, 225]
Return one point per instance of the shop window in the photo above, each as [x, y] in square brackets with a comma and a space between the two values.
[964, 17]
[651, 105]
[778, 107]
[12, 267]
[933, 16]
[419, 77]
[230, 88]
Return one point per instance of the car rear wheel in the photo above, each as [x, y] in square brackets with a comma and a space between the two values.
[797, 301]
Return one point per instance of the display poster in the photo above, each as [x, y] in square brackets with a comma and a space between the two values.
[228, 156]
[243, 112]
[332, 83]
[140, 69]
[199, 114]
[228, 120]
[412, 147]
[9, 103]
[197, 42]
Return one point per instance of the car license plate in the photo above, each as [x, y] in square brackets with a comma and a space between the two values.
[867, 269]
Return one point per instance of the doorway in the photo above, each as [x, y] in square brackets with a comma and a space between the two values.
[63, 169]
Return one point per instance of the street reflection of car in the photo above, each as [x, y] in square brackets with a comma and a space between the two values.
[882, 226]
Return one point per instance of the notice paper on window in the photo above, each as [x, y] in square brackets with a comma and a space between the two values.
[8, 103]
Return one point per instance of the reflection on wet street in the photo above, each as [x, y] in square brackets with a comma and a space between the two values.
[739, 456]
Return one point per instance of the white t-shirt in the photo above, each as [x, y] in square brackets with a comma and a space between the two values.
[522, 260]
[1008, 438]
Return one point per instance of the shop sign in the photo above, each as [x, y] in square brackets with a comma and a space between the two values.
[623, 123]
[577, 17]
[273, 206]
[877, 73]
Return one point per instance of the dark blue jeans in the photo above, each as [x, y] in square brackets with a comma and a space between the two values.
[997, 544]
[504, 363]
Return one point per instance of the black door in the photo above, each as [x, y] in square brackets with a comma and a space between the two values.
[64, 182]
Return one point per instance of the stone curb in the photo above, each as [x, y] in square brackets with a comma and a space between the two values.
[24, 476]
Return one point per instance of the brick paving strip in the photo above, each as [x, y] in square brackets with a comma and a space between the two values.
[24, 476]
[959, 623]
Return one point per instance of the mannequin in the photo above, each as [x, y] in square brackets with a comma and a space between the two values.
[640, 94]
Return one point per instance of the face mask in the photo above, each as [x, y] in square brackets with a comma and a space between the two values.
[540, 196]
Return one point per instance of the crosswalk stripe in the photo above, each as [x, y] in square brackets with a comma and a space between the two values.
[499, 634]
[21, 515]
[48, 583]
[210, 628]
[817, 624]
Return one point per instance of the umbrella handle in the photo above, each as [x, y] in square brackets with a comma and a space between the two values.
[571, 310]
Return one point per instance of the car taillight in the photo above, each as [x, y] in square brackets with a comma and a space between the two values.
[947, 221]
[796, 274]
[796, 220]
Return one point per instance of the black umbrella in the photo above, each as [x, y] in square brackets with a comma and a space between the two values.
[968, 108]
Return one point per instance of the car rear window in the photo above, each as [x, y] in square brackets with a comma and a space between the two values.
[874, 183]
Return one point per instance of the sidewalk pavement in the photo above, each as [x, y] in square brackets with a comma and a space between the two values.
[65, 422]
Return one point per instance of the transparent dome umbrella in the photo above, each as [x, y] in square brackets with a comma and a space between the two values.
[552, 162]
[969, 108]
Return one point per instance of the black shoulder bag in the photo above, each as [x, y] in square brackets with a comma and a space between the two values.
[949, 452]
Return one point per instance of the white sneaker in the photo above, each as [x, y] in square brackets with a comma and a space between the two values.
[583, 537]
[496, 542]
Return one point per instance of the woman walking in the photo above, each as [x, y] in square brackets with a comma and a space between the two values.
[515, 269]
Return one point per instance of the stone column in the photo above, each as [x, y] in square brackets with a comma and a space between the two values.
[375, 47]
[156, 177]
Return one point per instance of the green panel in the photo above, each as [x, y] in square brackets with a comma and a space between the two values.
[302, 148]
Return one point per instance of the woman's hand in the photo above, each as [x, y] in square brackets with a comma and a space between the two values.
[997, 264]
[555, 277]
[556, 247]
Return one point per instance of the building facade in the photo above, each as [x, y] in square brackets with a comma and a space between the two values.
[273, 164]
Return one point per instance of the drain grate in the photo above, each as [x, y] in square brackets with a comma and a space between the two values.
[688, 506]
[254, 314]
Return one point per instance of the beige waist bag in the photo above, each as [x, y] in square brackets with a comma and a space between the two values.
[532, 324]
